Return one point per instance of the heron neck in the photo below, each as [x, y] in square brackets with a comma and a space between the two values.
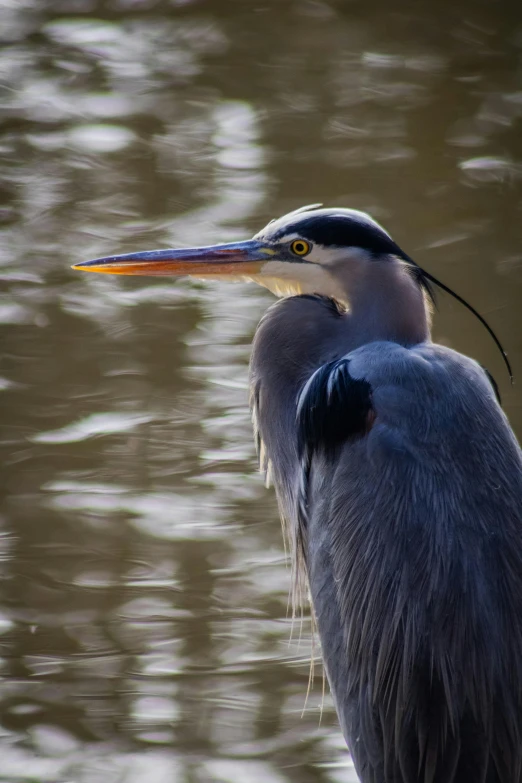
[387, 303]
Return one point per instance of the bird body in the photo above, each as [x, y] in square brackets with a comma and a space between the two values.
[400, 481]
[422, 575]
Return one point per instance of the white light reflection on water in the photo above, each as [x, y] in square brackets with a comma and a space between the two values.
[100, 138]
[93, 426]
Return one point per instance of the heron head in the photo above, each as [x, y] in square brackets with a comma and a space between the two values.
[310, 250]
[328, 251]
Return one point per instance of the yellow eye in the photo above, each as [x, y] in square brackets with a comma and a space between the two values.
[300, 247]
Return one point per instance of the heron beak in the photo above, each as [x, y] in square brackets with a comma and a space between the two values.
[237, 258]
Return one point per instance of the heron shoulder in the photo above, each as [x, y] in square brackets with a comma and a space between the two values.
[428, 393]
[424, 369]
[425, 401]
[383, 360]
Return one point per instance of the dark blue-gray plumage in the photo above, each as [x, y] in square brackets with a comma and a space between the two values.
[400, 481]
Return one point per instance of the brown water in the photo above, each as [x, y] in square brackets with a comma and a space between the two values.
[143, 609]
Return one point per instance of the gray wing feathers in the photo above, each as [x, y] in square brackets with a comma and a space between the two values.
[412, 532]
[418, 602]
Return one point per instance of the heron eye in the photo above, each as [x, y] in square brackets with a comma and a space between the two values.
[300, 247]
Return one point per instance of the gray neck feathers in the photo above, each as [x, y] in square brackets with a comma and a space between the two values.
[385, 301]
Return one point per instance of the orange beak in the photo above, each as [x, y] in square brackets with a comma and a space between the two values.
[237, 258]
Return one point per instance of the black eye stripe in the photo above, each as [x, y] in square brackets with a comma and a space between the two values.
[339, 231]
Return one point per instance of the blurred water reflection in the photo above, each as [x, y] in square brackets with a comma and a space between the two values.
[143, 616]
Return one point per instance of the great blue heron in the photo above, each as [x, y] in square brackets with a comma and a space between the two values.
[400, 480]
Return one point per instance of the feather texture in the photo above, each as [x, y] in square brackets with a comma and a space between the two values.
[401, 481]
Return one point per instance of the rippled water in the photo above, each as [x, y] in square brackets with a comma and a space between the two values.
[143, 612]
